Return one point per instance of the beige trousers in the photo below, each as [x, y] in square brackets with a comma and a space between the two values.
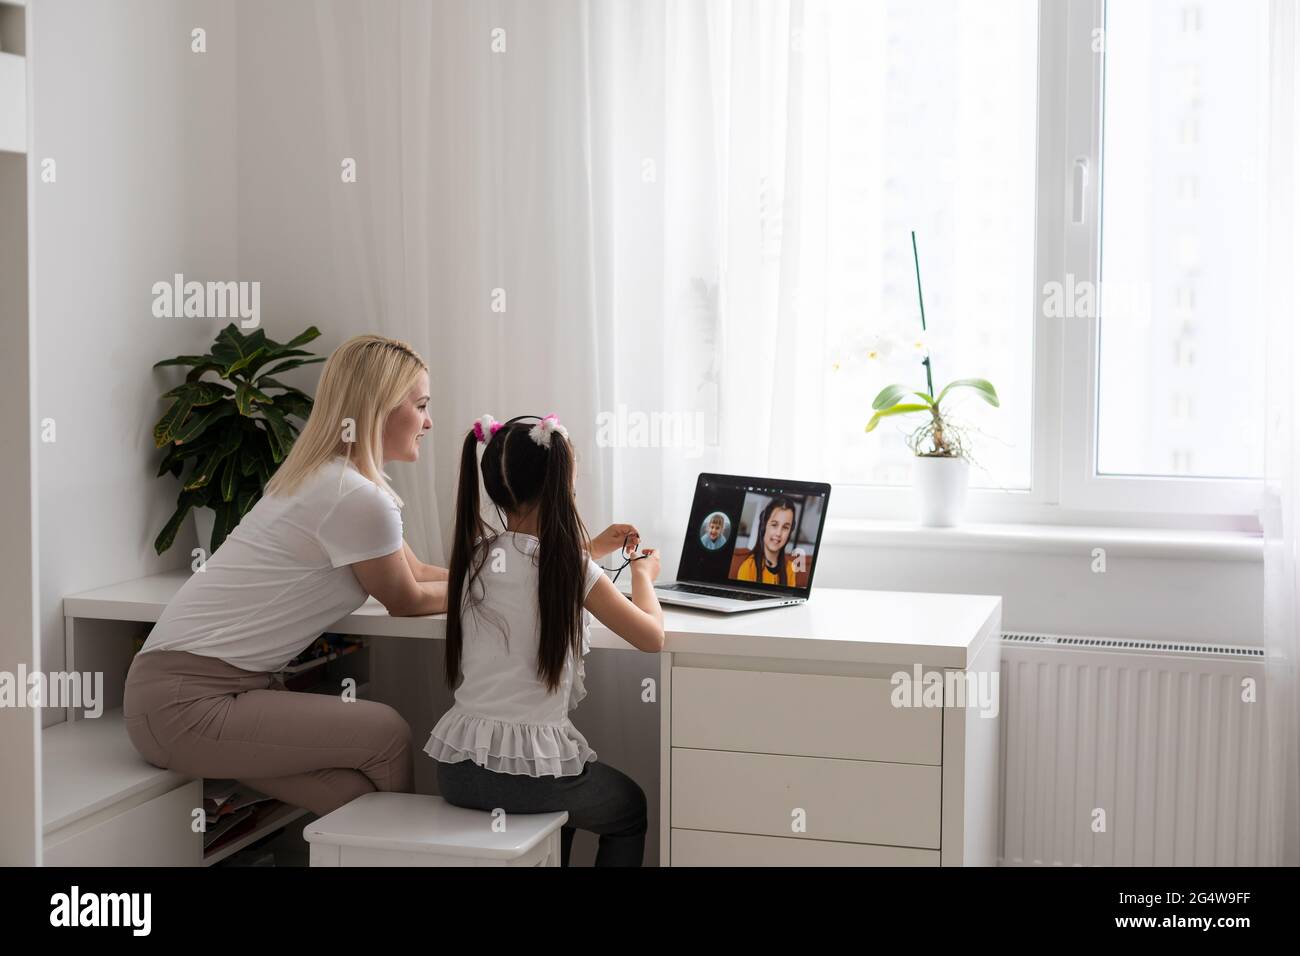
[203, 717]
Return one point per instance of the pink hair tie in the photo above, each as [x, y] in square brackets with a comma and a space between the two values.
[485, 428]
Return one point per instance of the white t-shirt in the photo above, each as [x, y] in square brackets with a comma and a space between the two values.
[282, 577]
[503, 718]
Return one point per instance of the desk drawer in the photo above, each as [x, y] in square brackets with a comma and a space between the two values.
[852, 801]
[812, 715]
[705, 848]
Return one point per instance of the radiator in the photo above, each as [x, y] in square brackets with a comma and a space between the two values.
[1130, 753]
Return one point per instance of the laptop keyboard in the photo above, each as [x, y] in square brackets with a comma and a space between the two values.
[717, 592]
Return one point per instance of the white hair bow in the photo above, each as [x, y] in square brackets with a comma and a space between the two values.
[543, 430]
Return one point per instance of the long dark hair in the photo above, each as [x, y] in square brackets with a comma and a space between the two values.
[518, 474]
[779, 503]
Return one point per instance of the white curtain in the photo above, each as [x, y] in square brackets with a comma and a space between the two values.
[550, 198]
[471, 228]
[1281, 830]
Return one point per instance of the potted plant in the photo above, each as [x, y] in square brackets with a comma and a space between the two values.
[232, 430]
[942, 467]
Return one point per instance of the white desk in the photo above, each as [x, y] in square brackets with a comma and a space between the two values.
[779, 743]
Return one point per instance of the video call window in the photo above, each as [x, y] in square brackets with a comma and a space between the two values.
[776, 537]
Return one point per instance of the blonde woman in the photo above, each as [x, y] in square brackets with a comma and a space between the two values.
[201, 696]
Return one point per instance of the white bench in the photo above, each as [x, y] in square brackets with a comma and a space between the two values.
[411, 829]
[105, 805]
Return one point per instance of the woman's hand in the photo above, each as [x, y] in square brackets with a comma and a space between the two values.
[612, 538]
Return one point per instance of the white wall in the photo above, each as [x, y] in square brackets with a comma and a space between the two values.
[1156, 592]
[143, 133]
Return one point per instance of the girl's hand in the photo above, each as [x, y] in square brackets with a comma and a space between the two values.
[612, 538]
[647, 563]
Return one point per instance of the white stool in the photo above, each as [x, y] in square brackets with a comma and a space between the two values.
[411, 829]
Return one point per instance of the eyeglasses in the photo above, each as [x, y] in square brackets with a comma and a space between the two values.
[626, 560]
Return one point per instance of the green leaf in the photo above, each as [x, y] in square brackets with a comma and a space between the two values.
[245, 362]
[224, 447]
[981, 386]
[199, 371]
[281, 434]
[234, 350]
[925, 398]
[197, 424]
[894, 410]
[228, 479]
[303, 337]
[184, 503]
[246, 395]
[297, 405]
[172, 421]
[184, 360]
[199, 393]
[177, 454]
[264, 382]
[889, 395]
[171, 462]
[249, 494]
[226, 520]
[293, 363]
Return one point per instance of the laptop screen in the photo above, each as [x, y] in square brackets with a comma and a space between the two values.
[754, 533]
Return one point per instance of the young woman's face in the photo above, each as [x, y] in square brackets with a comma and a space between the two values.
[408, 423]
[779, 525]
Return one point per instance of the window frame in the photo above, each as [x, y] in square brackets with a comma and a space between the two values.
[1065, 487]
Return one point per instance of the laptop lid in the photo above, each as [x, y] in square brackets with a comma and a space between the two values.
[755, 534]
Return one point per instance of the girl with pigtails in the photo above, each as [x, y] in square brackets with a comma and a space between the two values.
[519, 603]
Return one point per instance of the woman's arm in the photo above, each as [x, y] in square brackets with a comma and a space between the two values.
[390, 580]
[422, 571]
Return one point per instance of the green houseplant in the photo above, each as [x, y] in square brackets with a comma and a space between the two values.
[942, 455]
[232, 430]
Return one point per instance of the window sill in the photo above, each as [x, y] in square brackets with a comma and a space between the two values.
[1162, 544]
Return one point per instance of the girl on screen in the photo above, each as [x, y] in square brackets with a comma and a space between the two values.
[776, 527]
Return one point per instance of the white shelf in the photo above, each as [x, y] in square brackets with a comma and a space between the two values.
[90, 764]
[277, 818]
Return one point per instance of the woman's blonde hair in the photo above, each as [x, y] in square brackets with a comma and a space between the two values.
[362, 382]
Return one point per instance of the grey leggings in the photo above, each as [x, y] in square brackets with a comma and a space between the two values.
[600, 799]
[206, 718]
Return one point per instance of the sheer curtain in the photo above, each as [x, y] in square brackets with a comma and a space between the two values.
[472, 227]
[549, 200]
[1282, 501]
[714, 213]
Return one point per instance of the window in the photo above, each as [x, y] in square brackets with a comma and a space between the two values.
[1085, 181]
[1199, 249]
[932, 123]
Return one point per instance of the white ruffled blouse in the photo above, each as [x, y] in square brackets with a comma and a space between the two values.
[503, 718]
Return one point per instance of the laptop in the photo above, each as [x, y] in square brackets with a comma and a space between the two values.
[751, 543]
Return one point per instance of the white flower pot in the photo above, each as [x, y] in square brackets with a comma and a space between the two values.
[204, 520]
[940, 485]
